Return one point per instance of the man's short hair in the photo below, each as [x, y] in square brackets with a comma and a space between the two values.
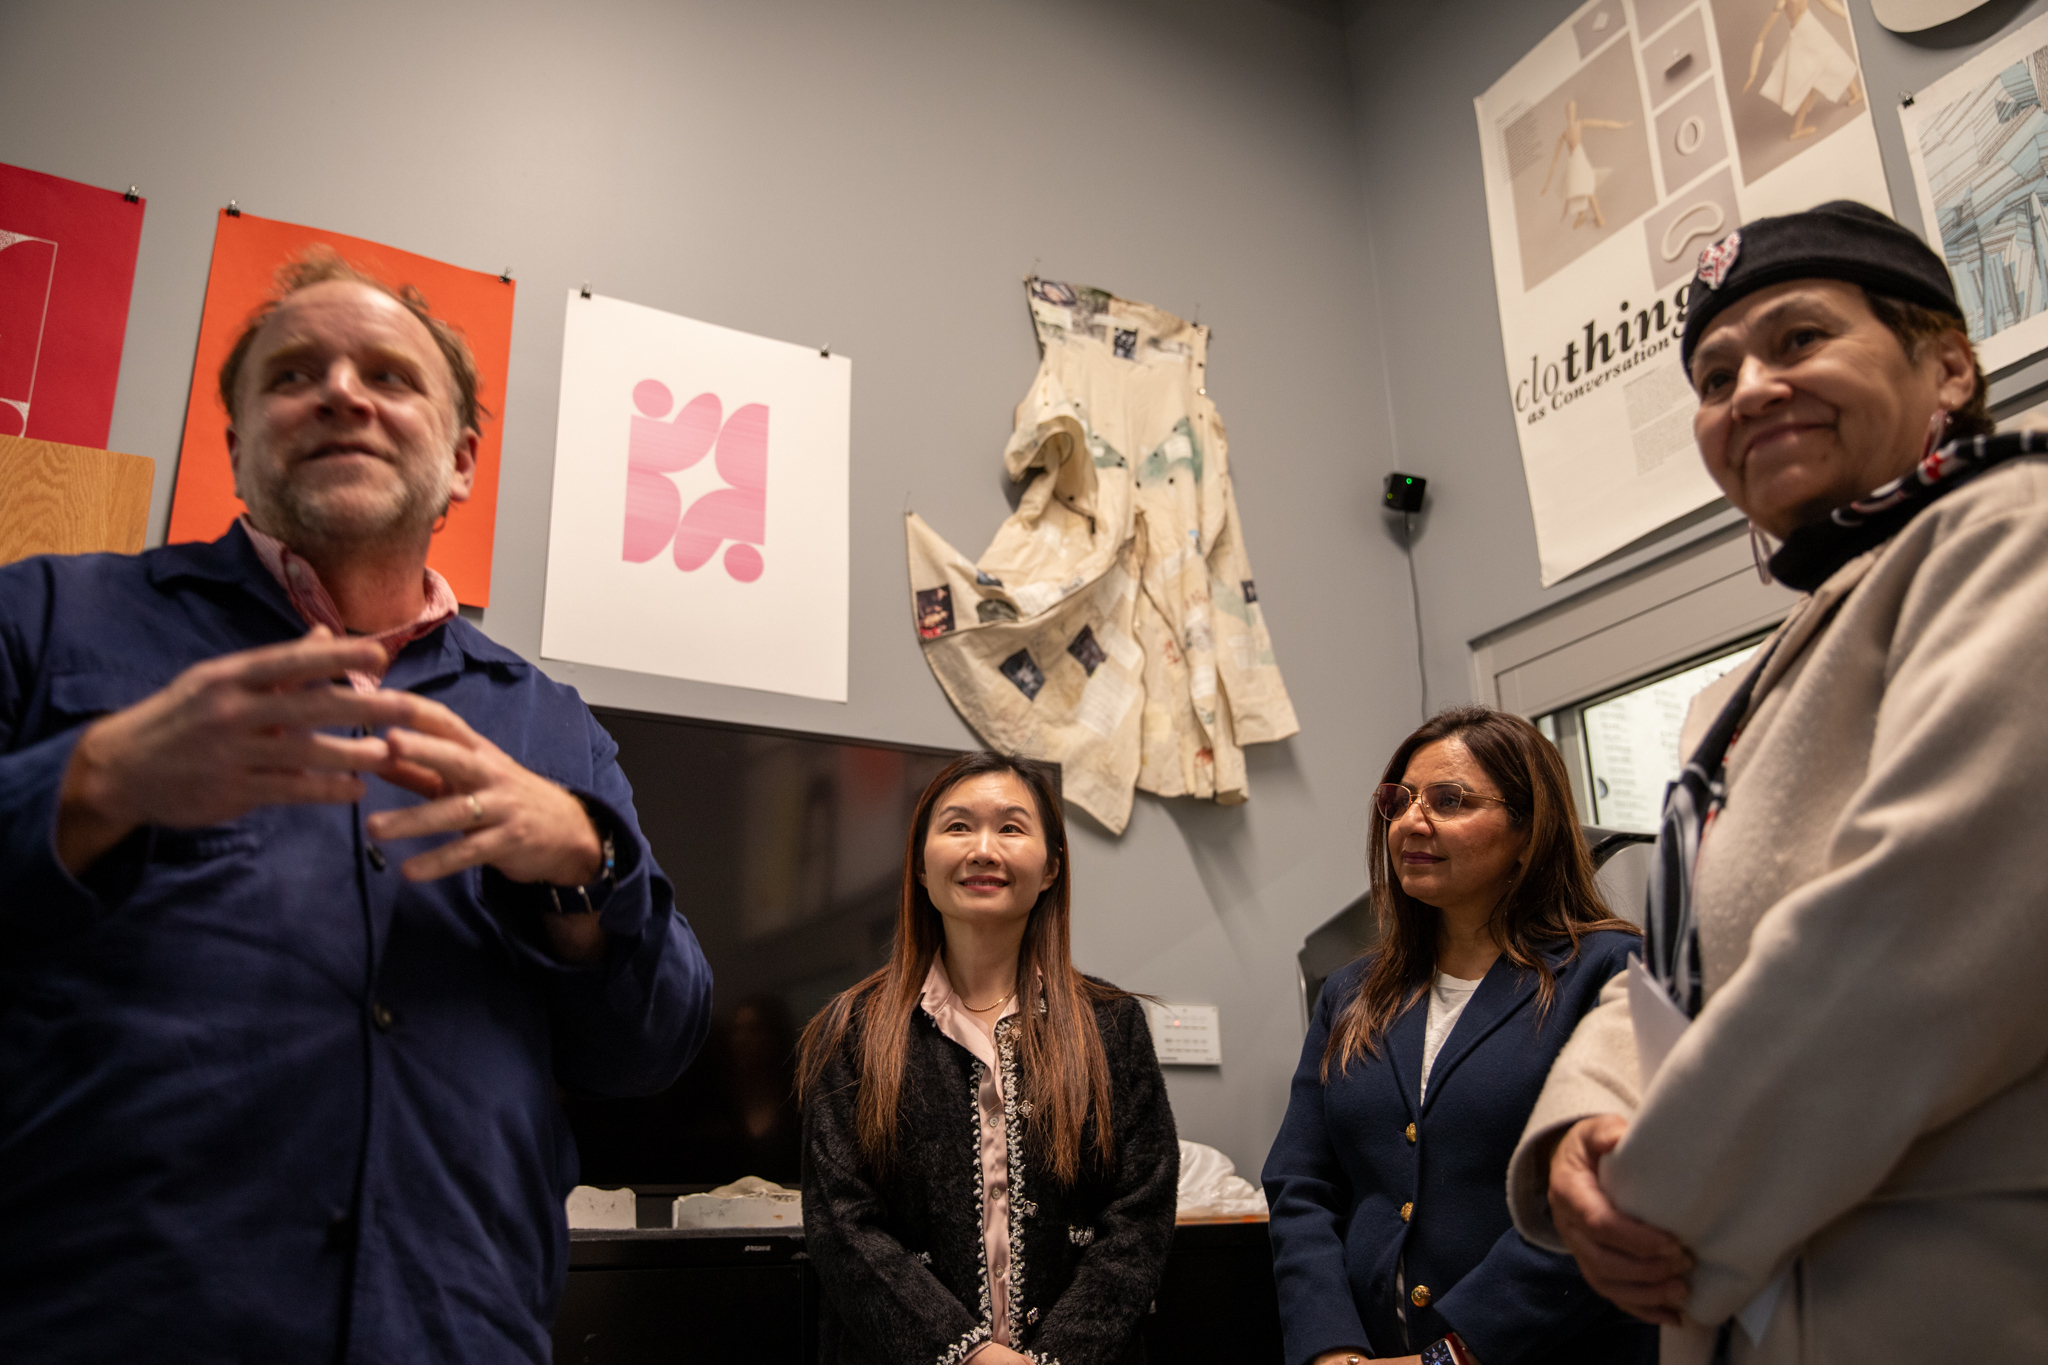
[320, 265]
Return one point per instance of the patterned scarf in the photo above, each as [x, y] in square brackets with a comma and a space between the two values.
[1808, 558]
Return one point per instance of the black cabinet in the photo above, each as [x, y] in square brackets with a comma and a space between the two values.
[657, 1297]
[687, 1298]
[1216, 1299]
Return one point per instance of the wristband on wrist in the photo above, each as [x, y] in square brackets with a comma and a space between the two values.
[1446, 1350]
[607, 851]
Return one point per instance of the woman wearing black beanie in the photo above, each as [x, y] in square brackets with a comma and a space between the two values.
[1841, 1156]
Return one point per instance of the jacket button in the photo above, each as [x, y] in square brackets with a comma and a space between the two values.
[1419, 1296]
[382, 1017]
[1409, 1132]
[1407, 1210]
[376, 856]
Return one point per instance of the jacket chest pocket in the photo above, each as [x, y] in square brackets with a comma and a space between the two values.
[202, 843]
[80, 695]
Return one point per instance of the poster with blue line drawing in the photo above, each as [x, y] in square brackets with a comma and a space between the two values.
[1978, 141]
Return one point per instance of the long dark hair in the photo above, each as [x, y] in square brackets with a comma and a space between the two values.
[1061, 1063]
[1550, 897]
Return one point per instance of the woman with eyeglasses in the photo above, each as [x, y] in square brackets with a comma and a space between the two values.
[1390, 1226]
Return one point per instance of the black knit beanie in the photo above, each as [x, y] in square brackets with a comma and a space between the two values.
[1842, 240]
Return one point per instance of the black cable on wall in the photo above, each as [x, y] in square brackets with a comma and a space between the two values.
[1415, 593]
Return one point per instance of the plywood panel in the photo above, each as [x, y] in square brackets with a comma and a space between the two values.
[59, 499]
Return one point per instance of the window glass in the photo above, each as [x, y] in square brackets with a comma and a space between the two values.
[1632, 742]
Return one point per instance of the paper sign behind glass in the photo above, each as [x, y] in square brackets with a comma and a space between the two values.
[247, 251]
[699, 525]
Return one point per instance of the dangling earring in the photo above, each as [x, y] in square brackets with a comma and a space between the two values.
[1761, 550]
[1937, 431]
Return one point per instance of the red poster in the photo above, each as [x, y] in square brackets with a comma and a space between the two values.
[67, 267]
[246, 254]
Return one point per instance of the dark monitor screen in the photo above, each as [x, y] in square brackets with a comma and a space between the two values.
[786, 851]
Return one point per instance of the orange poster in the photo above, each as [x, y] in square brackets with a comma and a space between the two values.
[246, 254]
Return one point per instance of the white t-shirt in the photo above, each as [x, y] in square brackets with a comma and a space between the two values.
[1448, 997]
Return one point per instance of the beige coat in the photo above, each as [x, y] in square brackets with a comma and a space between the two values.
[1864, 1096]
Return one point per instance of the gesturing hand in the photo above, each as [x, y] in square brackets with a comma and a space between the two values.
[226, 736]
[508, 817]
[1639, 1268]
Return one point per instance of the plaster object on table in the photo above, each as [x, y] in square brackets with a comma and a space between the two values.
[590, 1207]
[749, 1202]
[1210, 1186]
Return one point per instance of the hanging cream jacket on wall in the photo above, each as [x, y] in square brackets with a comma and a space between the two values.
[1864, 1095]
[1113, 624]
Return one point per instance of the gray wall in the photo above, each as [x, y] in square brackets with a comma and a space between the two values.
[882, 174]
[1417, 68]
[878, 176]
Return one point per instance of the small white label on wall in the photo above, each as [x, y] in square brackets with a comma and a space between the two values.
[1186, 1035]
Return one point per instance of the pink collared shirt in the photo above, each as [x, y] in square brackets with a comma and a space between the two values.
[954, 1020]
[309, 597]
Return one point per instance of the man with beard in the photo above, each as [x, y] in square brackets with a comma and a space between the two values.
[312, 895]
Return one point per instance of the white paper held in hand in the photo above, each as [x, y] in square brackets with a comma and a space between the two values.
[1658, 1020]
[1658, 1023]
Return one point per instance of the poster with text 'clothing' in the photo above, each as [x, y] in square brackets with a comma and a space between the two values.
[699, 526]
[67, 267]
[1637, 133]
[1976, 139]
[247, 253]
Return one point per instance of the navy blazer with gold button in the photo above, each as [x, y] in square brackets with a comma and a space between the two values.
[1352, 1153]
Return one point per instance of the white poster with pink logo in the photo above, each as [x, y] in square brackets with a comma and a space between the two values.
[699, 527]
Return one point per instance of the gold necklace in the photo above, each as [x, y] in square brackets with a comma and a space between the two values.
[986, 1008]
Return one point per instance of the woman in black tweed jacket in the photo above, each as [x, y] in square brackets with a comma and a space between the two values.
[981, 1212]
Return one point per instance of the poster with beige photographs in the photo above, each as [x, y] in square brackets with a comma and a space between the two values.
[1635, 134]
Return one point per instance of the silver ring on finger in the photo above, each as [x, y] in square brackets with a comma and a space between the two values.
[476, 810]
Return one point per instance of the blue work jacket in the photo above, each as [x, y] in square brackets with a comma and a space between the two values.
[261, 1097]
[1365, 1183]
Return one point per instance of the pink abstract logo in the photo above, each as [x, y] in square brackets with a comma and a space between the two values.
[660, 446]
